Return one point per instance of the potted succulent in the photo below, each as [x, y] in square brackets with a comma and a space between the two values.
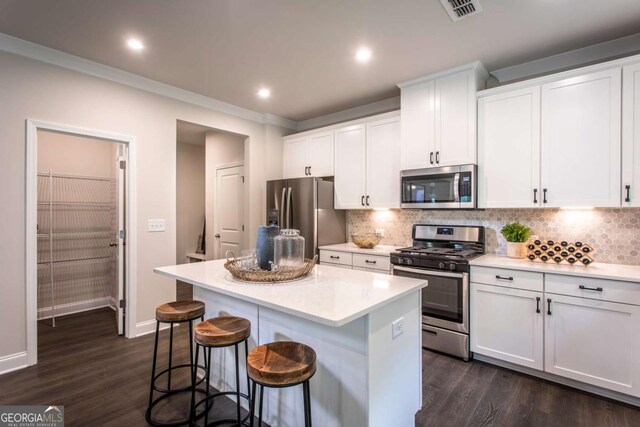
[517, 236]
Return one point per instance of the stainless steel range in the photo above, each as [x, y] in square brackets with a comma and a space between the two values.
[440, 254]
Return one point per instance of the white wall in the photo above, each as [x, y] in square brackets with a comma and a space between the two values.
[190, 197]
[76, 155]
[36, 90]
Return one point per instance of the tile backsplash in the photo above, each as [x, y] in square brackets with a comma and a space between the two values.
[614, 233]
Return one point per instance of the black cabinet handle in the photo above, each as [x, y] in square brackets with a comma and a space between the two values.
[334, 257]
[585, 288]
[431, 157]
[367, 202]
[306, 170]
[503, 278]
[549, 306]
[309, 170]
[628, 190]
[537, 304]
[370, 262]
[437, 157]
[362, 200]
[535, 195]
[544, 195]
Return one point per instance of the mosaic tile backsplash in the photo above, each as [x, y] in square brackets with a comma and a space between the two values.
[614, 233]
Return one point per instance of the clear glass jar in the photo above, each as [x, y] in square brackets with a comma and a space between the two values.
[288, 249]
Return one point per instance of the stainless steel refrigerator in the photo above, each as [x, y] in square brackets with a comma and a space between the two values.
[306, 204]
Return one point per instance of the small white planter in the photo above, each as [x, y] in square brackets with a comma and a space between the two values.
[517, 250]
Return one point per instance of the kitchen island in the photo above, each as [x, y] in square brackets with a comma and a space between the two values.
[365, 328]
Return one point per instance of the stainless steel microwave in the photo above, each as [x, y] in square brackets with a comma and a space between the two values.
[449, 187]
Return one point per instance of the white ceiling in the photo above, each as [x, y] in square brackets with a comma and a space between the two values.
[303, 49]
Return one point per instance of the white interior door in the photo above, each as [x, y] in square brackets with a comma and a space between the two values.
[120, 307]
[229, 211]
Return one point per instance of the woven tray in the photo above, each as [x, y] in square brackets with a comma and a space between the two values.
[234, 266]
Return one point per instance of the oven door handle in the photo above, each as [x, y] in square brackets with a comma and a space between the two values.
[456, 187]
[425, 272]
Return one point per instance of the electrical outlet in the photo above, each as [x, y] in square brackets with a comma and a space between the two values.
[155, 225]
[397, 328]
[381, 231]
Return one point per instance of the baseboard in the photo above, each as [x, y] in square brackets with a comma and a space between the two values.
[113, 303]
[75, 307]
[149, 327]
[13, 362]
[610, 394]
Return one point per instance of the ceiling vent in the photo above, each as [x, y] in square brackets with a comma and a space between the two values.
[458, 9]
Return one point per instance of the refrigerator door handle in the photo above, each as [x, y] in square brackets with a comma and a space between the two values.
[281, 216]
[289, 220]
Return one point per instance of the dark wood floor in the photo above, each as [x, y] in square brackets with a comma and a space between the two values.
[103, 380]
[456, 393]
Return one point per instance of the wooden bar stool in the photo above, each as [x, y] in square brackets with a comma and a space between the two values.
[281, 364]
[223, 331]
[172, 313]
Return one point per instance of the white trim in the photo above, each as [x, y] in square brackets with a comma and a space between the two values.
[475, 65]
[573, 58]
[75, 307]
[631, 400]
[31, 249]
[378, 107]
[51, 56]
[13, 362]
[149, 327]
[341, 125]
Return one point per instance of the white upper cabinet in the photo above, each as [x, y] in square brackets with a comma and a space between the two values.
[308, 155]
[383, 163]
[580, 141]
[509, 149]
[439, 118]
[631, 135]
[350, 167]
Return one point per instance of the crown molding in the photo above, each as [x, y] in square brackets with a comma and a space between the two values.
[41, 53]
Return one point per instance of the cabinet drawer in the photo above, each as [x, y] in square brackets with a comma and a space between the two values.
[335, 257]
[375, 262]
[604, 290]
[508, 278]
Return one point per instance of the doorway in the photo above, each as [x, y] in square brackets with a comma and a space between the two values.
[78, 215]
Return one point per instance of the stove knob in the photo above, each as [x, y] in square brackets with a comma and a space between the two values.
[452, 267]
[442, 265]
[408, 261]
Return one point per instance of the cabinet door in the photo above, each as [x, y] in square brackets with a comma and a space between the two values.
[581, 140]
[509, 149]
[631, 135]
[506, 324]
[350, 152]
[417, 104]
[383, 163]
[455, 118]
[295, 157]
[596, 342]
[321, 154]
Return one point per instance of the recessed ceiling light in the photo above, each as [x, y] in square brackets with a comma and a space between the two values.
[264, 93]
[135, 44]
[363, 55]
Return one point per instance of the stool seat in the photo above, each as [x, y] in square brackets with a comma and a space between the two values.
[222, 331]
[281, 364]
[179, 311]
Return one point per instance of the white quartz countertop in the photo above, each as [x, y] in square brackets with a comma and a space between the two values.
[351, 247]
[629, 273]
[330, 295]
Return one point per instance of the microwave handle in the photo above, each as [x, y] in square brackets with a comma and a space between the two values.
[456, 187]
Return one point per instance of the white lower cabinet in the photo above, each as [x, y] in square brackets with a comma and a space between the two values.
[507, 324]
[596, 342]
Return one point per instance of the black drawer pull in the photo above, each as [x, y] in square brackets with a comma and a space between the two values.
[334, 257]
[503, 278]
[549, 306]
[585, 288]
[537, 304]
[370, 262]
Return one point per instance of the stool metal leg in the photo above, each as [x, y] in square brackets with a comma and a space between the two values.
[153, 369]
[246, 356]
[170, 358]
[252, 411]
[307, 403]
[237, 384]
[260, 406]
[192, 417]
[206, 405]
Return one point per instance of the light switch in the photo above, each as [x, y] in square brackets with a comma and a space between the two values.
[155, 225]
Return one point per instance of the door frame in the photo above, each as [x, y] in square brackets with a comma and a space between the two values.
[215, 201]
[31, 221]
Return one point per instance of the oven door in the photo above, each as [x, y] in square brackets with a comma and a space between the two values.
[431, 188]
[445, 301]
